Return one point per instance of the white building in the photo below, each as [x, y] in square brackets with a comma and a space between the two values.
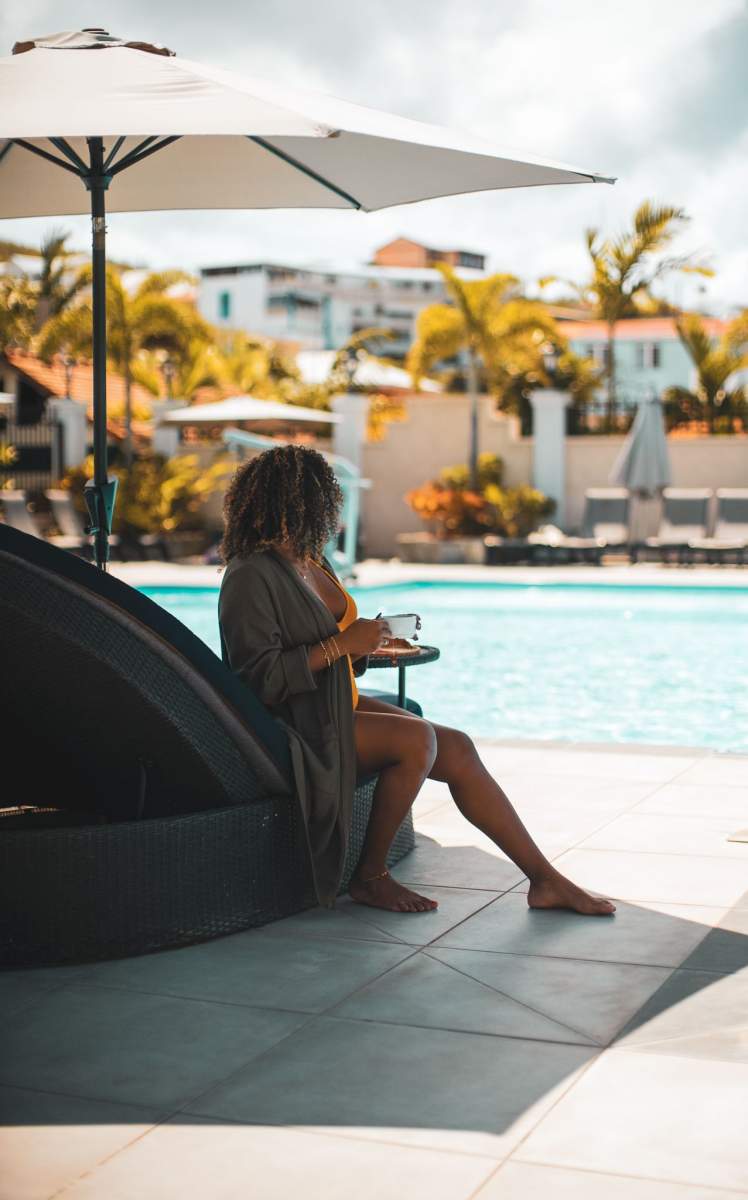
[320, 306]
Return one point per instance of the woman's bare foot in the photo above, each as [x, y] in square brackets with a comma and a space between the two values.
[385, 892]
[559, 892]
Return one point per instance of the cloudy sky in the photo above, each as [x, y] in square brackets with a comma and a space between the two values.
[654, 93]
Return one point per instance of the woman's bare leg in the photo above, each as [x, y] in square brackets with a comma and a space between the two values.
[481, 800]
[402, 752]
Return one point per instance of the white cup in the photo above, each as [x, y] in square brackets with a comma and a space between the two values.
[402, 625]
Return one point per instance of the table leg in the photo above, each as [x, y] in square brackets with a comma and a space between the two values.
[400, 686]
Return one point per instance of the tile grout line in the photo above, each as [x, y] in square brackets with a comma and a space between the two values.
[660, 785]
[608, 962]
[578, 1076]
[505, 1037]
[551, 1166]
[292, 1033]
[530, 1008]
[206, 1092]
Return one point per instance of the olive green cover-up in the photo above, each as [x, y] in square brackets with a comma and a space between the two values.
[269, 618]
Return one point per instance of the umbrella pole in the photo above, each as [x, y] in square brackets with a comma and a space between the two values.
[101, 490]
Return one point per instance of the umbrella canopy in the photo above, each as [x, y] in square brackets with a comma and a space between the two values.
[80, 111]
[234, 142]
[315, 366]
[246, 408]
[643, 464]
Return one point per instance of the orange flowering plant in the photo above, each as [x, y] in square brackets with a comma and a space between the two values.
[453, 509]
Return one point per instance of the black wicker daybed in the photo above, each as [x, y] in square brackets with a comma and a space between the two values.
[145, 796]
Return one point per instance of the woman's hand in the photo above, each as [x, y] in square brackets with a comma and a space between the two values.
[362, 637]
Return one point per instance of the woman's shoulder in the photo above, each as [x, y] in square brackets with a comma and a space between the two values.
[247, 567]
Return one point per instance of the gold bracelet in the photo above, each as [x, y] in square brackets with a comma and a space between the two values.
[327, 656]
[335, 643]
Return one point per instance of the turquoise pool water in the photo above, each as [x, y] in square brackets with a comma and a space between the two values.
[656, 665]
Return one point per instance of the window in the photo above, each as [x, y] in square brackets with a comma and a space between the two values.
[597, 351]
[648, 355]
[224, 305]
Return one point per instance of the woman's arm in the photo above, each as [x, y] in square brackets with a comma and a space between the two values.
[253, 640]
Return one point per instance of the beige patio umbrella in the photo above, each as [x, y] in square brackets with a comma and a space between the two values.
[88, 120]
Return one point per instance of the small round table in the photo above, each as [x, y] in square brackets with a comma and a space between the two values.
[426, 654]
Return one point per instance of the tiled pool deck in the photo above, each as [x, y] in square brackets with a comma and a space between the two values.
[479, 1051]
[375, 572]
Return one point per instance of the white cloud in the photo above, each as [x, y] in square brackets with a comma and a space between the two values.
[650, 92]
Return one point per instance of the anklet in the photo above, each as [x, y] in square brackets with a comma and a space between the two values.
[372, 878]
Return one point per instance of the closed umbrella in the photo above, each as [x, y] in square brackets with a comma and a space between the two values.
[80, 110]
[643, 465]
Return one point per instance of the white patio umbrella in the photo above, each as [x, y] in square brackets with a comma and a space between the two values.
[643, 465]
[79, 109]
[247, 408]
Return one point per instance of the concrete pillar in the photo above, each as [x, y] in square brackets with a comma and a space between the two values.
[72, 416]
[549, 449]
[165, 437]
[349, 435]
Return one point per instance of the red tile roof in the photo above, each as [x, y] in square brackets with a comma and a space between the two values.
[635, 329]
[51, 378]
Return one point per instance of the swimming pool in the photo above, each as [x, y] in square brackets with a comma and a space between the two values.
[608, 663]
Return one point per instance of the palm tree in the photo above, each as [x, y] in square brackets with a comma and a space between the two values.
[57, 288]
[624, 269]
[491, 325]
[148, 319]
[716, 360]
[251, 364]
[200, 366]
[17, 307]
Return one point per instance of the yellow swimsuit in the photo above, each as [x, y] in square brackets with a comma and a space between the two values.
[348, 617]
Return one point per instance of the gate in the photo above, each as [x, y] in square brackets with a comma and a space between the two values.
[38, 453]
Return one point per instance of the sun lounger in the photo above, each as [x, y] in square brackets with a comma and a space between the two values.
[605, 525]
[685, 516]
[15, 510]
[730, 536]
[605, 528]
[16, 513]
[177, 820]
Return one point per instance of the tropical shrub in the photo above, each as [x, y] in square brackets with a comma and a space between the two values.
[453, 509]
[157, 494]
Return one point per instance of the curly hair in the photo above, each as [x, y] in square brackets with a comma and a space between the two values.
[288, 493]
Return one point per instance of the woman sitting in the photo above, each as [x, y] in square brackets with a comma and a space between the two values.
[292, 632]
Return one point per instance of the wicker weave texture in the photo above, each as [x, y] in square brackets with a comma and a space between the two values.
[76, 894]
[96, 652]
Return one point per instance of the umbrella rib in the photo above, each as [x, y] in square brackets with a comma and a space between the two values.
[135, 150]
[59, 162]
[144, 151]
[6, 148]
[294, 162]
[65, 148]
[113, 152]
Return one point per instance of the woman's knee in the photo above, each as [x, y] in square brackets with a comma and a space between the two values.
[457, 749]
[421, 745]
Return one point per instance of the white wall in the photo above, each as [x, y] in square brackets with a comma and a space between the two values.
[248, 300]
[435, 435]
